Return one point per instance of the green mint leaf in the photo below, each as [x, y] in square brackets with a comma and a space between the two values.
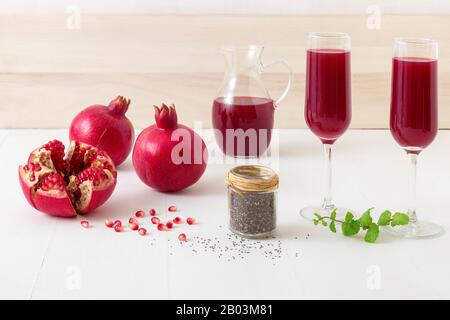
[324, 223]
[372, 233]
[316, 222]
[333, 227]
[350, 228]
[319, 217]
[366, 219]
[333, 214]
[385, 218]
[349, 217]
[399, 219]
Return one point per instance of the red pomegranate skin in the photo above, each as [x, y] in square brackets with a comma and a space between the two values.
[106, 128]
[152, 154]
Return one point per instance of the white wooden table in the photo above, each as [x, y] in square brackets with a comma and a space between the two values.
[45, 257]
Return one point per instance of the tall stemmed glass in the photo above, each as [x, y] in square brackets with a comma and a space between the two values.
[414, 115]
[328, 102]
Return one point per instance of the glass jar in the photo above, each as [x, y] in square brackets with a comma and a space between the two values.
[252, 201]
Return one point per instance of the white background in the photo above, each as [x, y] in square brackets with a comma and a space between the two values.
[231, 6]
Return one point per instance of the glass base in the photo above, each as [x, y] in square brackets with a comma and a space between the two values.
[308, 212]
[416, 230]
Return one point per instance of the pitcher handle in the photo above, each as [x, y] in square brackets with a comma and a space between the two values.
[288, 86]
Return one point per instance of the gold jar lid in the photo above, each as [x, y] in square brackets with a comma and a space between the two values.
[252, 178]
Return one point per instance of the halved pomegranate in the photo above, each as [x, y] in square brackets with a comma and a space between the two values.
[63, 186]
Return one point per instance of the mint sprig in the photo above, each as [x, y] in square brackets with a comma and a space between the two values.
[352, 226]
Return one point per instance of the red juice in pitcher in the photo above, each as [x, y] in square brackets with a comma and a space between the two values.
[414, 116]
[328, 93]
[243, 124]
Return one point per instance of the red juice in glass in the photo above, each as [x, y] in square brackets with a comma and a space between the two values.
[328, 93]
[248, 122]
[414, 118]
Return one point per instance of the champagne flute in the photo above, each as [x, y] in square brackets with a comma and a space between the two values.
[414, 116]
[328, 102]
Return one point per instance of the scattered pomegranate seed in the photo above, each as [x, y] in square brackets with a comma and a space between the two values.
[109, 223]
[182, 237]
[177, 220]
[134, 226]
[119, 229]
[169, 225]
[172, 209]
[133, 220]
[152, 212]
[142, 232]
[117, 223]
[190, 221]
[155, 220]
[140, 214]
[161, 227]
[85, 224]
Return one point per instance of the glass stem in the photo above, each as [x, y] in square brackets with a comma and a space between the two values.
[328, 200]
[412, 187]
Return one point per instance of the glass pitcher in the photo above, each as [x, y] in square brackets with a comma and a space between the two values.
[243, 111]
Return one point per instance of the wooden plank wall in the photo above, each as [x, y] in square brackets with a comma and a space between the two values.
[49, 71]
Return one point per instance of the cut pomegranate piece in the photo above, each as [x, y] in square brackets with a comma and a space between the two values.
[152, 212]
[177, 220]
[190, 221]
[155, 220]
[182, 237]
[172, 209]
[64, 186]
[142, 231]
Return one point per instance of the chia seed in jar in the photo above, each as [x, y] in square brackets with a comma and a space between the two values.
[252, 201]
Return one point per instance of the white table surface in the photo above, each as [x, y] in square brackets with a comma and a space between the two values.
[44, 257]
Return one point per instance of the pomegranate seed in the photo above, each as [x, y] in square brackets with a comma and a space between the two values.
[133, 220]
[109, 223]
[134, 226]
[117, 223]
[172, 209]
[152, 212]
[161, 227]
[85, 224]
[182, 237]
[119, 229]
[155, 220]
[169, 225]
[142, 232]
[140, 214]
[177, 220]
[190, 221]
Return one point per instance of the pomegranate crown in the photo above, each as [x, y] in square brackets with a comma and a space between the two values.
[166, 116]
[119, 105]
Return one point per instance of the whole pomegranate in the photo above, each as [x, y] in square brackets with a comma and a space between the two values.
[169, 156]
[63, 186]
[106, 128]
